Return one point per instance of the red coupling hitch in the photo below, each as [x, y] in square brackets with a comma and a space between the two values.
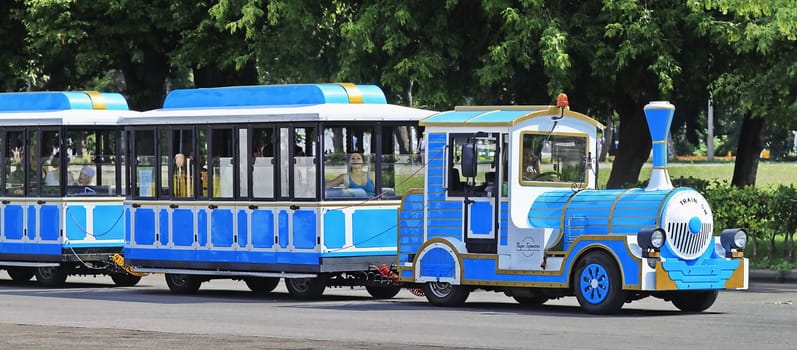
[384, 270]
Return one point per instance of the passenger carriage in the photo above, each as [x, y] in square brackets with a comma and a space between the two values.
[55, 221]
[510, 205]
[232, 183]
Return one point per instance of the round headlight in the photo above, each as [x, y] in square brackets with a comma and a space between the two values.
[740, 239]
[657, 239]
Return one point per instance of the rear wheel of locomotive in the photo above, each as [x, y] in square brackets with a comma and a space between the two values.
[50, 276]
[695, 301]
[125, 279]
[182, 284]
[385, 292]
[262, 285]
[307, 288]
[445, 294]
[598, 285]
[20, 274]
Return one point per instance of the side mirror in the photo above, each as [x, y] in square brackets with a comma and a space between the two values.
[469, 160]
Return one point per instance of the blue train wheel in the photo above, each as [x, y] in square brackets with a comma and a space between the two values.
[445, 294]
[262, 285]
[597, 284]
[20, 274]
[50, 276]
[307, 288]
[182, 284]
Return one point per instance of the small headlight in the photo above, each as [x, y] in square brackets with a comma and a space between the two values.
[657, 238]
[733, 240]
[740, 239]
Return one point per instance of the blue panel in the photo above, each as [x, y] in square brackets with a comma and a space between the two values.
[221, 228]
[708, 271]
[76, 222]
[304, 232]
[437, 263]
[243, 229]
[44, 101]
[374, 228]
[49, 222]
[262, 228]
[183, 227]
[127, 227]
[334, 229]
[283, 227]
[31, 248]
[108, 221]
[145, 226]
[163, 230]
[202, 227]
[267, 95]
[481, 218]
[31, 222]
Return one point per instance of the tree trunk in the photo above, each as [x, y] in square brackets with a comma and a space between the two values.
[212, 76]
[606, 142]
[145, 79]
[748, 151]
[634, 148]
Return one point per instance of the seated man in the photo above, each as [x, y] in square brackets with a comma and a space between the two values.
[85, 177]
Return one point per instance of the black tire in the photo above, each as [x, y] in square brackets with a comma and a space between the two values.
[597, 284]
[125, 279]
[307, 288]
[694, 301]
[445, 294]
[183, 284]
[530, 301]
[385, 292]
[50, 276]
[262, 285]
[20, 274]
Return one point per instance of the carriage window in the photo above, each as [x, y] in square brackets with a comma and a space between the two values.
[222, 176]
[15, 165]
[348, 162]
[144, 163]
[402, 160]
[50, 155]
[263, 162]
[304, 162]
[90, 158]
[183, 164]
[553, 158]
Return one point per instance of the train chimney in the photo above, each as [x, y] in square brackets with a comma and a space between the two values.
[659, 115]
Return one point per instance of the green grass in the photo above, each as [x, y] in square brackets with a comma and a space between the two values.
[769, 173]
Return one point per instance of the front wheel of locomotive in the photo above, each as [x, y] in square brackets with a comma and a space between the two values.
[50, 276]
[445, 294]
[597, 284]
[20, 274]
[694, 301]
[261, 285]
[182, 284]
[386, 292]
[307, 288]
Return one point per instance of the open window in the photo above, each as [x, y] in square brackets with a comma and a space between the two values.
[473, 164]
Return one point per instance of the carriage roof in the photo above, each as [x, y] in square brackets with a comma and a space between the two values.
[277, 103]
[61, 108]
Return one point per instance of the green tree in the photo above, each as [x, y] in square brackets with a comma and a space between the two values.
[758, 80]
[14, 69]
